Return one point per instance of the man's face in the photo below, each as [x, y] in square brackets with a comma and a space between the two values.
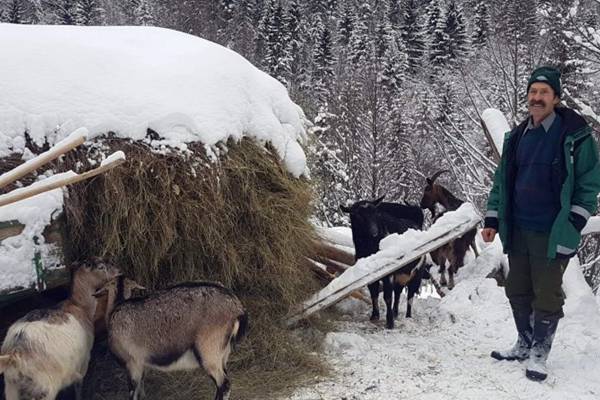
[541, 100]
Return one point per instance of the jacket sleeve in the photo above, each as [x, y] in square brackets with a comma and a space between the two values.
[586, 171]
[491, 215]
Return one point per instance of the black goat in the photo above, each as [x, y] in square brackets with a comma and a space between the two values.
[371, 221]
[453, 252]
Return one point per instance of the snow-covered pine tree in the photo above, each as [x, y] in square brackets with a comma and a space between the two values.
[360, 40]
[324, 61]
[458, 41]
[433, 17]
[328, 170]
[413, 35]
[346, 25]
[241, 32]
[66, 11]
[394, 15]
[296, 37]
[277, 57]
[439, 41]
[481, 24]
[15, 12]
[144, 13]
[89, 12]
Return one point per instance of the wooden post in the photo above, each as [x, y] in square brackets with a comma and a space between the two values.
[73, 140]
[64, 179]
[488, 136]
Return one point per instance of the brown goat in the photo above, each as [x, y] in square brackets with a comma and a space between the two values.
[453, 252]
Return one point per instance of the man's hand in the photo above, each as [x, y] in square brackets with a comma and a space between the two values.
[488, 234]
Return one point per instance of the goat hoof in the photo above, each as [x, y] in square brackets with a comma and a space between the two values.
[389, 325]
[374, 317]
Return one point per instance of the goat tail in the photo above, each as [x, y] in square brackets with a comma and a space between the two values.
[6, 361]
[240, 328]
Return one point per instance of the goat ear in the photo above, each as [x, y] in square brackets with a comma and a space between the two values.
[345, 209]
[100, 292]
[379, 200]
[5, 362]
[133, 284]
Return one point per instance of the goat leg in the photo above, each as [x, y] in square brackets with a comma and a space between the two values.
[387, 297]
[374, 291]
[397, 292]
[437, 286]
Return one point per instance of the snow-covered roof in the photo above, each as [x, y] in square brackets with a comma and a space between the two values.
[55, 79]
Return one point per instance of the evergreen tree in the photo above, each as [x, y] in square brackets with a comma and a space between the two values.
[66, 12]
[323, 66]
[360, 40]
[277, 58]
[394, 15]
[456, 32]
[328, 170]
[89, 12]
[438, 51]
[144, 13]
[16, 12]
[433, 16]
[413, 35]
[242, 30]
[481, 24]
[346, 25]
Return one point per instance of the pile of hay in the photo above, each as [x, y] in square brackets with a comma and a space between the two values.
[242, 220]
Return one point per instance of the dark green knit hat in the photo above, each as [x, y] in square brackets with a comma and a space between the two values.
[548, 75]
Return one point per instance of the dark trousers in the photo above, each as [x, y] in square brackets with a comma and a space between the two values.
[534, 282]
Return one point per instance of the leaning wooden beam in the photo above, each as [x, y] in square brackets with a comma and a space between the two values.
[70, 142]
[328, 277]
[377, 268]
[60, 180]
[332, 265]
[326, 250]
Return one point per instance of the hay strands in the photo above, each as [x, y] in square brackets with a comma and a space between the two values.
[58, 180]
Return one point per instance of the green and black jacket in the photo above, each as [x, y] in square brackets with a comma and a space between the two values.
[575, 180]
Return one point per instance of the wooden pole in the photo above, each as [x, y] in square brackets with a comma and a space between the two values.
[67, 179]
[73, 140]
[488, 136]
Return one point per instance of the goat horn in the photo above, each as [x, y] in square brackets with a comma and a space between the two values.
[435, 176]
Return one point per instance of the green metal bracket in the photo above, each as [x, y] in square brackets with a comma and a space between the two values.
[38, 265]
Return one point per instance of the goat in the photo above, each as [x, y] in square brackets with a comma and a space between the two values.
[453, 252]
[183, 327]
[370, 222]
[114, 292]
[49, 349]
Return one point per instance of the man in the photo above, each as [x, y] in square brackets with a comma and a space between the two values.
[545, 189]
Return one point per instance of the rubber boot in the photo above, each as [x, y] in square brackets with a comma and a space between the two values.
[543, 336]
[520, 350]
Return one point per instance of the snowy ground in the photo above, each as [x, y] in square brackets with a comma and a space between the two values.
[443, 352]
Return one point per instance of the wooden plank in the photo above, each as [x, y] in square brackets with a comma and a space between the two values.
[10, 228]
[325, 299]
[70, 142]
[42, 186]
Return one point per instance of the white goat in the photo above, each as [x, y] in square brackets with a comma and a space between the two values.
[183, 327]
[49, 349]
